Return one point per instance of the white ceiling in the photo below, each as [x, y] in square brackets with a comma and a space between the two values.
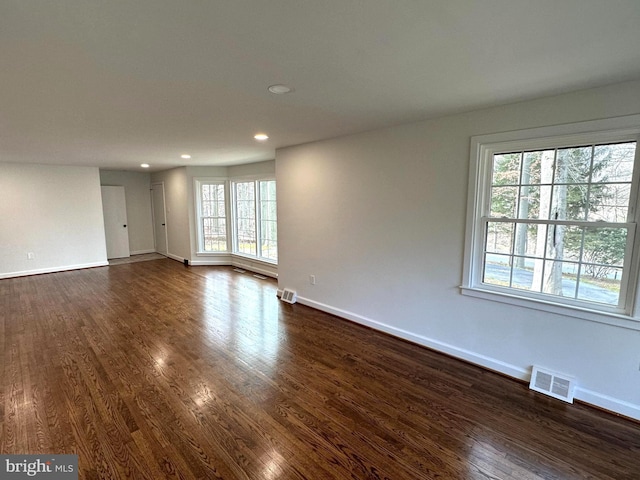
[114, 83]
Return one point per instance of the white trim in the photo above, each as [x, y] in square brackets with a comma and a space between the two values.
[592, 127]
[38, 271]
[590, 397]
[618, 320]
[607, 403]
[253, 176]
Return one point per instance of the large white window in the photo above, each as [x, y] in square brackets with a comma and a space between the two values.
[255, 231]
[212, 216]
[553, 216]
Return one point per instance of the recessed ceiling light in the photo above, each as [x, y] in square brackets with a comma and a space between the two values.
[185, 156]
[144, 165]
[261, 137]
[280, 89]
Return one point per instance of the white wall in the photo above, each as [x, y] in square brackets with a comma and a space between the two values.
[137, 186]
[249, 169]
[379, 219]
[54, 212]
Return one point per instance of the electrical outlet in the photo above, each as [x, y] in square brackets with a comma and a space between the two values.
[30, 256]
[312, 279]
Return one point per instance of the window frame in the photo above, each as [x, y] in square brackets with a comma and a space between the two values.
[258, 220]
[198, 183]
[483, 148]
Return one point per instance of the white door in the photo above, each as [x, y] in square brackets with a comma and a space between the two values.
[159, 217]
[114, 208]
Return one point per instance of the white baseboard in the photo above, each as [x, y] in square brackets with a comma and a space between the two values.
[63, 268]
[142, 252]
[607, 403]
[174, 257]
[587, 396]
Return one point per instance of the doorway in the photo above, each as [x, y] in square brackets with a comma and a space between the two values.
[159, 218]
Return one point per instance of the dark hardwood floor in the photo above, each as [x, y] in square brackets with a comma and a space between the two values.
[153, 370]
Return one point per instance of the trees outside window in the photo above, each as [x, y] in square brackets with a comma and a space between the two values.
[212, 216]
[255, 219]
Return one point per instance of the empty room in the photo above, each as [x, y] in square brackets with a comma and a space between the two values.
[319, 240]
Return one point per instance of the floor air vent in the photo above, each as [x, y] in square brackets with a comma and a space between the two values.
[553, 384]
[288, 296]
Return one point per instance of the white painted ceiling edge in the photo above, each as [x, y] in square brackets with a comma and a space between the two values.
[116, 84]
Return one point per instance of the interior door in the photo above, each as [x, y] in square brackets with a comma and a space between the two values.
[114, 209]
[159, 217]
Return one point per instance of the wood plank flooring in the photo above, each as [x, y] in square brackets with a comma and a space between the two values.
[154, 370]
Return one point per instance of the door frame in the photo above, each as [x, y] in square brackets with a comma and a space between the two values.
[153, 212]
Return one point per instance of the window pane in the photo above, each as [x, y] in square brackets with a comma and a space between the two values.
[535, 202]
[609, 202]
[579, 262]
[605, 289]
[532, 165]
[572, 243]
[497, 269]
[573, 165]
[523, 276]
[499, 237]
[530, 240]
[245, 218]
[558, 278]
[213, 233]
[604, 246]
[247, 236]
[503, 201]
[506, 169]
[569, 202]
[614, 163]
[268, 223]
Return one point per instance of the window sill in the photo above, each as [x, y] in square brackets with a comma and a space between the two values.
[608, 318]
